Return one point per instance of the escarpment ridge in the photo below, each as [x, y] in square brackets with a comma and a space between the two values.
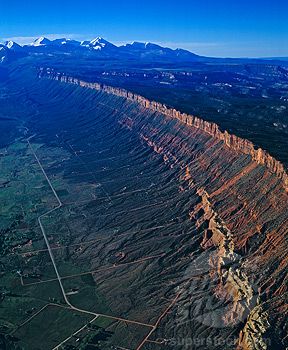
[234, 142]
[231, 208]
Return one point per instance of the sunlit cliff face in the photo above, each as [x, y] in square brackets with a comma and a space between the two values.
[243, 205]
[235, 143]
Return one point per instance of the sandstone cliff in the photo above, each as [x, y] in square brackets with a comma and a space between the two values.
[234, 142]
[242, 199]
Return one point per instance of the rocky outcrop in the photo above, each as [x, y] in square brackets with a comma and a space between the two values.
[234, 142]
[233, 289]
[255, 327]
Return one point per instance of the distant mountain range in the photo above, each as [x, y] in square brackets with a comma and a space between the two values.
[99, 47]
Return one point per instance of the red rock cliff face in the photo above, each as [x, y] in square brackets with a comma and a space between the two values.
[234, 142]
[243, 195]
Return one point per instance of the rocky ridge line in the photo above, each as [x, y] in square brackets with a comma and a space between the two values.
[234, 142]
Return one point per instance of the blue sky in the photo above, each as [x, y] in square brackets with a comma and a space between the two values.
[234, 28]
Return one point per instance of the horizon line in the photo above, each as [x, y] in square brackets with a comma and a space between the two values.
[26, 40]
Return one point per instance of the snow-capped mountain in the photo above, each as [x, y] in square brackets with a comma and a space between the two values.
[98, 47]
[9, 51]
[98, 44]
[42, 41]
[149, 50]
[12, 45]
[142, 46]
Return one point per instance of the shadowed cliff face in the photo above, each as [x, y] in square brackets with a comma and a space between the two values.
[242, 211]
[235, 143]
[251, 203]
